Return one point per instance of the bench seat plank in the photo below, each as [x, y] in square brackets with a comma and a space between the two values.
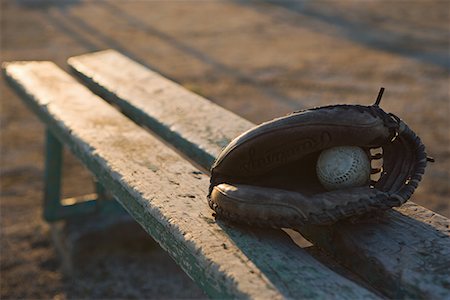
[177, 113]
[166, 195]
[404, 253]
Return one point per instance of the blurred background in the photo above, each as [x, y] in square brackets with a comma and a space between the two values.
[260, 59]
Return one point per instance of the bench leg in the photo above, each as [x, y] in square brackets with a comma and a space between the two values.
[106, 202]
[56, 208]
[52, 179]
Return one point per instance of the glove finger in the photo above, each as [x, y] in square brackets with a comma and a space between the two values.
[284, 208]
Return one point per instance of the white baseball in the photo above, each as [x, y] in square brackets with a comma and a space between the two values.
[343, 167]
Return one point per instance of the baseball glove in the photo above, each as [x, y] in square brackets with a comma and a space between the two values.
[267, 175]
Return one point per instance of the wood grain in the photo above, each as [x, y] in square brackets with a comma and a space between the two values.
[179, 116]
[166, 195]
[404, 253]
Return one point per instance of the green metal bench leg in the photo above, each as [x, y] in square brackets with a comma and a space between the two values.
[52, 179]
[101, 192]
[106, 202]
[56, 209]
[53, 208]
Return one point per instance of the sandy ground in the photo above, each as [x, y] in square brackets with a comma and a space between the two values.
[258, 59]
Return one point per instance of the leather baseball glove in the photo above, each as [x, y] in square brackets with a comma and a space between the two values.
[267, 175]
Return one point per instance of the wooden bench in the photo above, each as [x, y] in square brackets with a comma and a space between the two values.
[404, 253]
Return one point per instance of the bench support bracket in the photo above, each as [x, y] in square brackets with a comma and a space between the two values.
[56, 208]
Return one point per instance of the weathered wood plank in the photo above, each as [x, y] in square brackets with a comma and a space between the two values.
[166, 195]
[406, 250]
[172, 111]
[397, 253]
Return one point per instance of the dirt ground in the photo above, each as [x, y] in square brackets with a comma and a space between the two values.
[258, 59]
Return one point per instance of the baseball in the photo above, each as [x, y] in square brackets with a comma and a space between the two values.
[343, 167]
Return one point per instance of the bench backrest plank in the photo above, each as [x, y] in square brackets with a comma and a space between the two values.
[405, 252]
[165, 194]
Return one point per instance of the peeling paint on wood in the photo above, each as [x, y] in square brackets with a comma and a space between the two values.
[405, 252]
[140, 171]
